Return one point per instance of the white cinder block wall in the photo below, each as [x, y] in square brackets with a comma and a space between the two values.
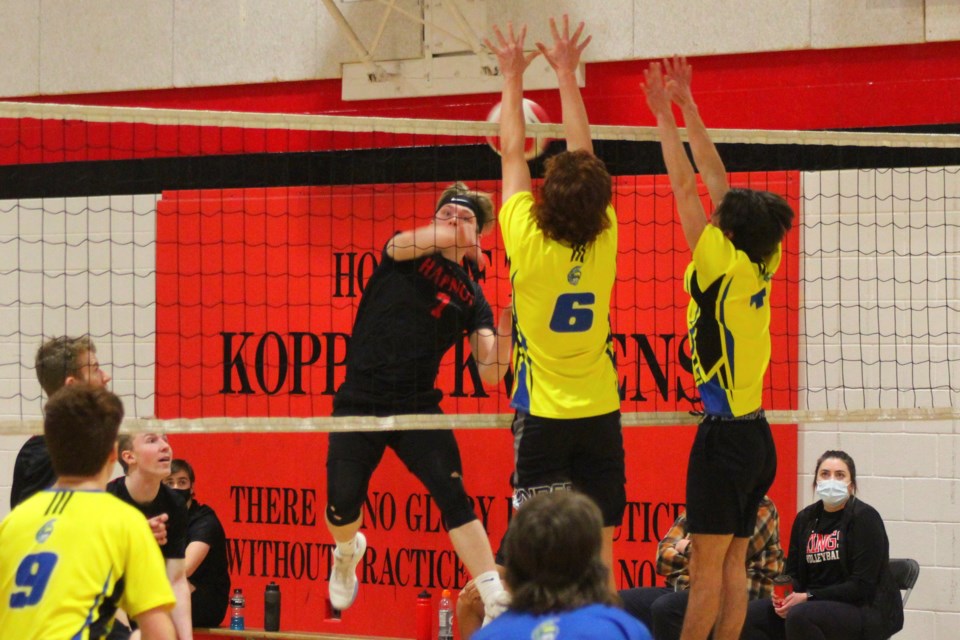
[909, 471]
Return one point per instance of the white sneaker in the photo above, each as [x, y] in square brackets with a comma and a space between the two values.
[499, 604]
[343, 575]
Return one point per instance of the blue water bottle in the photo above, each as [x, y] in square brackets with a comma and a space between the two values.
[237, 603]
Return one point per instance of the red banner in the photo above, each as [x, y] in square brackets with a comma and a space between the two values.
[256, 294]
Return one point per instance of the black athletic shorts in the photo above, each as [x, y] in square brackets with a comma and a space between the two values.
[732, 465]
[585, 454]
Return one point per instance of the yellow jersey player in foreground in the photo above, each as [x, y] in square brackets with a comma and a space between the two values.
[562, 248]
[733, 460]
[72, 554]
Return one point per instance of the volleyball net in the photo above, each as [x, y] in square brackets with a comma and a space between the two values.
[217, 260]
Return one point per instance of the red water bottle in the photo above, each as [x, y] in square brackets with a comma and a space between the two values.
[424, 616]
[782, 587]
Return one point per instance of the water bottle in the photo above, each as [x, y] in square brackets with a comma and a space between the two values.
[424, 616]
[271, 607]
[237, 603]
[445, 631]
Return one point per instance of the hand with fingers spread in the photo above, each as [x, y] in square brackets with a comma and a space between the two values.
[679, 74]
[564, 55]
[656, 91]
[509, 50]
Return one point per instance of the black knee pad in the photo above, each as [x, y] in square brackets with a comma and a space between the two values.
[446, 487]
[346, 490]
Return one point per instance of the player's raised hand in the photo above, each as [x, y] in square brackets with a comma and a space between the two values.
[509, 50]
[679, 76]
[656, 92]
[564, 55]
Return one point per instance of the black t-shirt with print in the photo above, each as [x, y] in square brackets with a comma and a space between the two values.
[411, 313]
[822, 552]
[166, 501]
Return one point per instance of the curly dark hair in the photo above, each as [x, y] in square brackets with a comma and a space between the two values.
[574, 197]
[756, 220]
[552, 552]
[80, 425]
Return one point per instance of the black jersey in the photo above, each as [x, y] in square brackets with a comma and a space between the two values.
[166, 501]
[205, 527]
[411, 313]
[32, 471]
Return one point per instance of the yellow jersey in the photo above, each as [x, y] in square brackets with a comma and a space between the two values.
[729, 323]
[70, 559]
[563, 358]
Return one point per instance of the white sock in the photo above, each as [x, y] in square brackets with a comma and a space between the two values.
[489, 585]
[347, 549]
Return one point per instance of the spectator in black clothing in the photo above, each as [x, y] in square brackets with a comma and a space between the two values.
[839, 561]
[206, 555]
[145, 458]
[60, 361]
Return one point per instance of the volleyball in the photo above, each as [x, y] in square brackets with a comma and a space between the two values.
[533, 113]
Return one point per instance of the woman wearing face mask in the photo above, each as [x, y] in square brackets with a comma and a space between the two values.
[839, 561]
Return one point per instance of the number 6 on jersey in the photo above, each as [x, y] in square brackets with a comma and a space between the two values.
[572, 314]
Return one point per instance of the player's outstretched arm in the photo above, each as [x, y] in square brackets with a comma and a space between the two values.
[492, 349]
[437, 238]
[705, 154]
[564, 57]
[683, 180]
[181, 614]
[513, 62]
[156, 624]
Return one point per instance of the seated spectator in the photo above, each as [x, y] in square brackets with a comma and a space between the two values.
[839, 559]
[206, 555]
[556, 576]
[662, 608]
[72, 553]
[145, 458]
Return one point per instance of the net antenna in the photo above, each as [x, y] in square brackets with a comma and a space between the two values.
[454, 60]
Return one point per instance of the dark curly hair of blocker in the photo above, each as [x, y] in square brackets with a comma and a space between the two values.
[574, 197]
[755, 221]
[552, 551]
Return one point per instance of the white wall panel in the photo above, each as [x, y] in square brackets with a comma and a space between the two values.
[105, 45]
[713, 26]
[20, 47]
[236, 42]
[858, 23]
[942, 23]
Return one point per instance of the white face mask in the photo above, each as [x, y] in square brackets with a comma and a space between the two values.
[833, 492]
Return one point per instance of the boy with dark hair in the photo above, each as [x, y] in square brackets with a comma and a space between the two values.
[562, 250]
[73, 554]
[733, 460]
[557, 580]
[206, 554]
[419, 303]
[59, 361]
[145, 458]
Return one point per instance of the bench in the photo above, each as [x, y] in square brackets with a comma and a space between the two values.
[260, 634]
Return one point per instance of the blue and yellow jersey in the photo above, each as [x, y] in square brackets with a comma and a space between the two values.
[563, 358]
[70, 559]
[729, 323]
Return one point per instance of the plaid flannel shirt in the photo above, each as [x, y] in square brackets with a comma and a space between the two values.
[764, 555]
